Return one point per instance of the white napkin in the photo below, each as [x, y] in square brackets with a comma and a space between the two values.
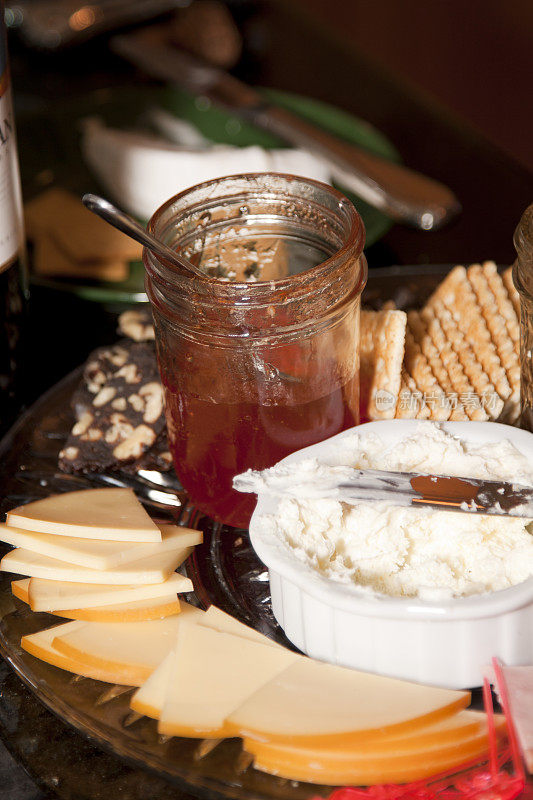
[141, 172]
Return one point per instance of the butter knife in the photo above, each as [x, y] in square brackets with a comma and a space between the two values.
[349, 485]
[403, 194]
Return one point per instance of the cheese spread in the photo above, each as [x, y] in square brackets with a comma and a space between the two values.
[408, 552]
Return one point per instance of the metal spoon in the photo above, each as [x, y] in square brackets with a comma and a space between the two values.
[123, 222]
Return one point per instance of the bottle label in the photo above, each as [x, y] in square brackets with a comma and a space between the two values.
[10, 200]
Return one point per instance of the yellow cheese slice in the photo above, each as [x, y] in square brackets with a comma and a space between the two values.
[311, 701]
[132, 611]
[366, 770]
[98, 553]
[21, 589]
[150, 698]
[130, 649]
[54, 596]
[220, 621]
[114, 514]
[40, 645]
[213, 673]
[153, 569]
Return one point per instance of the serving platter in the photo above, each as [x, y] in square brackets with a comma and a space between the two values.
[224, 570]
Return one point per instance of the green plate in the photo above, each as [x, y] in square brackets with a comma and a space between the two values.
[58, 159]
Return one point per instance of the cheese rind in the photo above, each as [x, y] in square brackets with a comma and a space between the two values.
[365, 771]
[130, 649]
[21, 589]
[113, 514]
[212, 674]
[98, 553]
[310, 702]
[53, 596]
[134, 611]
[154, 569]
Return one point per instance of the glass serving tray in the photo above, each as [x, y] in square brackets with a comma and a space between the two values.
[224, 570]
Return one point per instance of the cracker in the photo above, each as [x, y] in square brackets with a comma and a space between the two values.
[410, 403]
[381, 350]
[497, 325]
[514, 297]
[457, 295]
[503, 302]
[50, 260]
[418, 367]
[454, 346]
[451, 389]
[78, 232]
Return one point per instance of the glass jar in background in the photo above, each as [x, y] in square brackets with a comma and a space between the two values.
[254, 370]
[523, 281]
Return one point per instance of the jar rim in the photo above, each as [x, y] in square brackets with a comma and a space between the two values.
[353, 243]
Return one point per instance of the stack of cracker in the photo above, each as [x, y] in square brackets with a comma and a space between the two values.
[456, 359]
[71, 242]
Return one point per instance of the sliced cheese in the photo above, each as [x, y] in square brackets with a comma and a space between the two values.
[98, 553]
[54, 596]
[134, 611]
[444, 735]
[311, 701]
[41, 646]
[213, 673]
[154, 569]
[220, 621]
[21, 589]
[150, 698]
[367, 770]
[114, 514]
[129, 649]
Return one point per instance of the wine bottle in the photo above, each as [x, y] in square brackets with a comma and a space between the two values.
[13, 268]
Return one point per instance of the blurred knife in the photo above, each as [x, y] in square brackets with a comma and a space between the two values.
[350, 485]
[401, 193]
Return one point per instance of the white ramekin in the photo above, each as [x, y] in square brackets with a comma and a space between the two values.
[440, 643]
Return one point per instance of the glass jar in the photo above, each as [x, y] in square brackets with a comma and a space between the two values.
[254, 370]
[523, 281]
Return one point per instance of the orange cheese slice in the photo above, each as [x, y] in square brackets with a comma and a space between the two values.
[442, 746]
[212, 674]
[41, 646]
[113, 514]
[98, 553]
[55, 596]
[21, 590]
[134, 611]
[313, 703]
[132, 650]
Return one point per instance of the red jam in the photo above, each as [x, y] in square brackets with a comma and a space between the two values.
[255, 370]
[212, 442]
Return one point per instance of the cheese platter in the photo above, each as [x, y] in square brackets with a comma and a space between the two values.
[225, 573]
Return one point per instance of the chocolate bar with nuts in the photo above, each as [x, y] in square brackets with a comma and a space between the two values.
[120, 412]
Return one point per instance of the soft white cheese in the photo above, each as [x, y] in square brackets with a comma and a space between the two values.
[412, 552]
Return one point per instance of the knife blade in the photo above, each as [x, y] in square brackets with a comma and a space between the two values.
[402, 193]
[417, 490]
